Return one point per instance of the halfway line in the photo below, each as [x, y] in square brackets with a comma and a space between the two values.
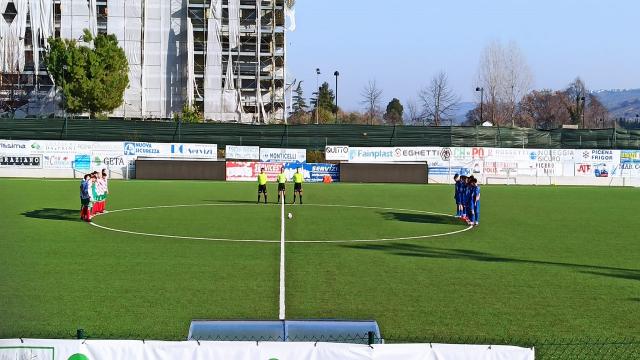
[282, 303]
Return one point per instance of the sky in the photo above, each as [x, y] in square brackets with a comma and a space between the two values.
[401, 44]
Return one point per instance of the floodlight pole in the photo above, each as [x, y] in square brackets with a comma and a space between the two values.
[336, 74]
[318, 93]
[481, 89]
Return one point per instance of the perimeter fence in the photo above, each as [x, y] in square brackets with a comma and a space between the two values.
[315, 137]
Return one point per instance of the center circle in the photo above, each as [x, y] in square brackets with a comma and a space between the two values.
[260, 223]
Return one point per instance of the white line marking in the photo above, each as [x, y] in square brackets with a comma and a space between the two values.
[278, 241]
[282, 231]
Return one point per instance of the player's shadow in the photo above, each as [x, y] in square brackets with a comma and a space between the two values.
[412, 250]
[421, 218]
[54, 214]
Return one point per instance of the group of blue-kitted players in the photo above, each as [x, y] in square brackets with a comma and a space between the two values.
[467, 195]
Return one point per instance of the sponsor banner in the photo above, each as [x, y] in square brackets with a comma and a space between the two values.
[248, 171]
[248, 350]
[435, 156]
[599, 170]
[313, 172]
[597, 156]
[630, 156]
[145, 149]
[630, 169]
[242, 152]
[549, 168]
[82, 162]
[194, 151]
[283, 155]
[22, 162]
[336, 153]
[57, 161]
[15, 147]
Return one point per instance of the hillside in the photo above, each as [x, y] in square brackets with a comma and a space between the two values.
[620, 103]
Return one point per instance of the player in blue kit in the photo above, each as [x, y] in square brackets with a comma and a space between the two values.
[474, 203]
[464, 196]
[456, 195]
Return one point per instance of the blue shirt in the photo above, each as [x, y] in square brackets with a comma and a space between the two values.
[84, 189]
[475, 192]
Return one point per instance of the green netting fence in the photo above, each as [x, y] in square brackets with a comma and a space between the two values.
[315, 137]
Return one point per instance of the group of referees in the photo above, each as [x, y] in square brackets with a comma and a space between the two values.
[298, 179]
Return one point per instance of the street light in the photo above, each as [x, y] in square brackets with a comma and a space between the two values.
[318, 92]
[584, 101]
[336, 74]
[481, 89]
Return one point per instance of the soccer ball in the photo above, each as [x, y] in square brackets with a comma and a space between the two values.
[290, 216]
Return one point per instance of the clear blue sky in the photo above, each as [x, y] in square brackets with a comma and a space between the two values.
[403, 43]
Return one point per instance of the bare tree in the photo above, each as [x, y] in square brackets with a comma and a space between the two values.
[438, 100]
[576, 99]
[517, 80]
[506, 77]
[371, 97]
[413, 115]
[13, 93]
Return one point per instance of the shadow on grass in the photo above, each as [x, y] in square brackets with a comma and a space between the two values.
[426, 252]
[421, 218]
[237, 201]
[54, 214]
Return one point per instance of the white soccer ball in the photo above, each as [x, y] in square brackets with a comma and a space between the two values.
[290, 216]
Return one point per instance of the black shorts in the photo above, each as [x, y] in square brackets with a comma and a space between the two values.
[84, 202]
[281, 187]
[262, 189]
[297, 187]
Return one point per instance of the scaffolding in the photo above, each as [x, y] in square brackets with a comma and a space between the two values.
[224, 57]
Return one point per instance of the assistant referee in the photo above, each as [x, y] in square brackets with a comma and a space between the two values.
[298, 179]
[282, 180]
[262, 185]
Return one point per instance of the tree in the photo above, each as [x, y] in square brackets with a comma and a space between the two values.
[412, 115]
[505, 76]
[596, 115]
[371, 97]
[543, 109]
[91, 79]
[394, 113]
[13, 94]
[299, 103]
[438, 100]
[576, 94]
[324, 98]
[189, 115]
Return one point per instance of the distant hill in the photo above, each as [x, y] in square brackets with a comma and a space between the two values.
[620, 103]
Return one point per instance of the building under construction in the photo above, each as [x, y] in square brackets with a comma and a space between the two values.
[225, 57]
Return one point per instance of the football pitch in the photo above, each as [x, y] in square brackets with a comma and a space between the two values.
[544, 262]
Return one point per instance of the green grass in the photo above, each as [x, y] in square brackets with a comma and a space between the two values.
[545, 262]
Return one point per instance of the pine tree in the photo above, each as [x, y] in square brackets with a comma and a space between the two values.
[324, 98]
[299, 103]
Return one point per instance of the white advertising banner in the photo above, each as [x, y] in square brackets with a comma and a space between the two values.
[630, 163]
[336, 153]
[431, 155]
[207, 350]
[194, 151]
[233, 152]
[15, 147]
[283, 155]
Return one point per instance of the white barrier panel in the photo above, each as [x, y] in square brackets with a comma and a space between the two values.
[336, 153]
[283, 155]
[205, 350]
[431, 155]
[242, 152]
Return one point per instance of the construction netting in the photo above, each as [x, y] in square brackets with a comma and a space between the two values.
[316, 137]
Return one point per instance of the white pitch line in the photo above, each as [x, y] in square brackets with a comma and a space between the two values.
[282, 293]
[277, 241]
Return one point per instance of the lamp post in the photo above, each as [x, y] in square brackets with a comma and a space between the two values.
[481, 89]
[318, 93]
[584, 101]
[336, 74]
